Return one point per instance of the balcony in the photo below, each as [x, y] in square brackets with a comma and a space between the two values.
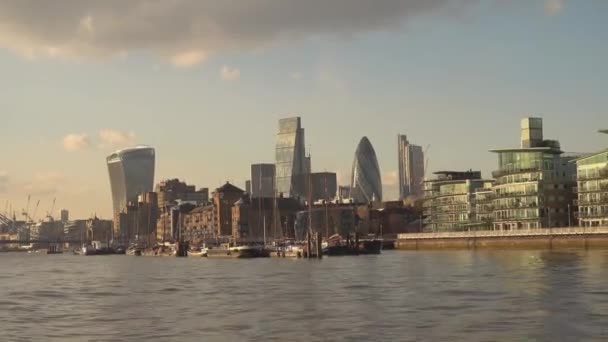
[600, 174]
[514, 170]
[517, 194]
[586, 189]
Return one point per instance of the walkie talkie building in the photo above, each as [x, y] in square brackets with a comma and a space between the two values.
[131, 174]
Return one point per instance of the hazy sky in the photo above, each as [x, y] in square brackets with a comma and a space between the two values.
[206, 81]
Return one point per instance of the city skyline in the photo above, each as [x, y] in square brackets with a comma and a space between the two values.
[452, 78]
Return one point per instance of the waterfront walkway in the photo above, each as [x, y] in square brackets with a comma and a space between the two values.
[506, 233]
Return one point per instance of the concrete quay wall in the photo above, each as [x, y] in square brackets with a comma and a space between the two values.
[558, 238]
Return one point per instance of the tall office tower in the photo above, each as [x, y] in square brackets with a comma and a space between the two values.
[262, 180]
[65, 215]
[290, 157]
[366, 184]
[411, 168]
[131, 174]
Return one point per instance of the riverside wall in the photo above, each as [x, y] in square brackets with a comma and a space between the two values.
[546, 238]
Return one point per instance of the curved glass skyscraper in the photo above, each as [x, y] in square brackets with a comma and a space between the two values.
[366, 184]
[131, 173]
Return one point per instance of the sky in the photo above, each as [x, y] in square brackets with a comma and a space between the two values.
[205, 83]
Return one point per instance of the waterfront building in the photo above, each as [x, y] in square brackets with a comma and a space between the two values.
[256, 220]
[262, 180]
[533, 187]
[131, 172]
[290, 156]
[411, 168]
[172, 193]
[592, 189]
[223, 200]
[449, 200]
[138, 222]
[484, 206]
[366, 183]
[327, 219]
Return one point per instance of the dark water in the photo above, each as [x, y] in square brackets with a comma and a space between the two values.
[401, 296]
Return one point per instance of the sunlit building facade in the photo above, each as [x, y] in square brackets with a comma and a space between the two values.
[366, 183]
[534, 183]
[290, 157]
[411, 168]
[131, 173]
[592, 189]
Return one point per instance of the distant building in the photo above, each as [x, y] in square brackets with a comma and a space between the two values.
[224, 198]
[270, 218]
[449, 200]
[592, 189]
[172, 193]
[131, 173]
[344, 192]
[328, 220]
[534, 183]
[290, 156]
[248, 187]
[322, 184]
[411, 169]
[139, 221]
[65, 215]
[366, 183]
[262, 180]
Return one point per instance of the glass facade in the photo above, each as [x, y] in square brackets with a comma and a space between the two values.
[592, 179]
[131, 173]
[411, 168]
[366, 184]
[290, 156]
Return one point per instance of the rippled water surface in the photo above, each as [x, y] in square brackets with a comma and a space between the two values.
[400, 296]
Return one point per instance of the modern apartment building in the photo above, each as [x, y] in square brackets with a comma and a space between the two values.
[592, 189]
[533, 187]
[449, 200]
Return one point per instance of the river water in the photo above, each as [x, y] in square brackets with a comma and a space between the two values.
[399, 295]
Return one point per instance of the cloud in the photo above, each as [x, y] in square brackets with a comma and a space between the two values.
[390, 178]
[76, 141]
[229, 73]
[45, 184]
[184, 31]
[111, 138]
[188, 58]
[553, 7]
[4, 179]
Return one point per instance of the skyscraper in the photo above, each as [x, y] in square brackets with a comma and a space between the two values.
[262, 180]
[131, 174]
[411, 168]
[366, 184]
[290, 156]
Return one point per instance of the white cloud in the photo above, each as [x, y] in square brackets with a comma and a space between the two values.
[553, 7]
[111, 138]
[4, 179]
[188, 58]
[229, 73]
[76, 141]
[390, 178]
[184, 31]
[296, 75]
[45, 184]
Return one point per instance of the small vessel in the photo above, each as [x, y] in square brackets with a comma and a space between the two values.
[241, 252]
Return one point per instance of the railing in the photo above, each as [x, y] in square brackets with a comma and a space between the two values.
[506, 233]
[600, 174]
[514, 170]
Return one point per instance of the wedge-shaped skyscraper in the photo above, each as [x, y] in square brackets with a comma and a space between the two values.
[366, 184]
[131, 173]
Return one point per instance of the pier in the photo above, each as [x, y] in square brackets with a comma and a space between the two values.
[544, 238]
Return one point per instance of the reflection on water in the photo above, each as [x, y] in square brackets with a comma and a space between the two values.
[404, 296]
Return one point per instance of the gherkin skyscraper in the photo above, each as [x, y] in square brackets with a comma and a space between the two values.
[366, 184]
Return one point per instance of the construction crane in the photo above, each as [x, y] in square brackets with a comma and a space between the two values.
[50, 215]
[35, 211]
